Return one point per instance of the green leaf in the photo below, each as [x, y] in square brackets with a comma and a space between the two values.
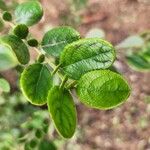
[86, 55]
[62, 111]
[29, 13]
[21, 30]
[1, 25]
[102, 89]
[38, 133]
[47, 145]
[145, 53]
[4, 85]
[3, 5]
[138, 62]
[7, 16]
[7, 58]
[18, 46]
[131, 41]
[35, 83]
[56, 39]
[96, 33]
[33, 42]
[33, 143]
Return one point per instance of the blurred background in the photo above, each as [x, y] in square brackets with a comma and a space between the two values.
[126, 24]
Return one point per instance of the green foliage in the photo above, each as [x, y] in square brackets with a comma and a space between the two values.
[7, 16]
[38, 133]
[33, 143]
[138, 62]
[86, 55]
[47, 145]
[102, 89]
[41, 58]
[56, 39]
[139, 59]
[81, 65]
[21, 30]
[3, 5]
[18, 47]
[62, 111]
[29, 13]
[7, 58]
[4, 86]
[36, 82]
[1, 24]
[33, 42]
[130, 42]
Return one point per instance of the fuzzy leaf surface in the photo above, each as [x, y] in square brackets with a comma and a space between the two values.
[86, 55]
[29, 13]
[56, 39]
[102, 89]
[18, 46]
[62, 110]
[35, 83]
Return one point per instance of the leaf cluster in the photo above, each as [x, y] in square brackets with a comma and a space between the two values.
[66, 61]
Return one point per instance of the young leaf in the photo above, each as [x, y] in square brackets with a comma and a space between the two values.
[7, 58]
[46, 145]
[4, 85]
[29, 13]
[18, 46]
[62, 111]
[131, 41]
[138, 62]
[86, 55]
[102, 89]
[35, 83]
[21, 30]
[33, 42]
[95, 33]
[56, 39]
[7, 16]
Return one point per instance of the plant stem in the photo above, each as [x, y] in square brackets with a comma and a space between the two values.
[53, 66]
[72, 84]
[56, 69]
[64, 81]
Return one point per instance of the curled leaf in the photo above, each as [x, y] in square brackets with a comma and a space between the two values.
[18, 47]
[7, 58]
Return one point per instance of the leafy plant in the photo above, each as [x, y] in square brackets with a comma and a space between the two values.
[4, 86]
[23, 125]
[138, 54]
[65, 62]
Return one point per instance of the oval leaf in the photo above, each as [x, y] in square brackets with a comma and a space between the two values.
[102, 89]
[4, 86]
[29, 13]
[19, 48]
[7, 58]
[62, 111]
[86, 55]
[131, 41]
[35, 83]
[56, 39]
[138, 62]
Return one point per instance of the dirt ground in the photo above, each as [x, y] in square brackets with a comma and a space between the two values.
[126, 127]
